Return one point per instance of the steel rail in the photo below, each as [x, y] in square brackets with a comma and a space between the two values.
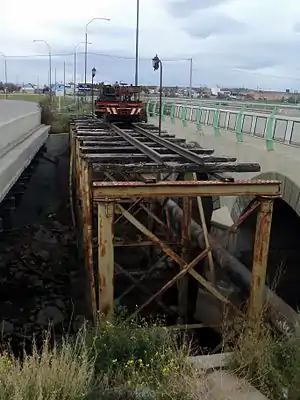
[152, 154]
[189, 155]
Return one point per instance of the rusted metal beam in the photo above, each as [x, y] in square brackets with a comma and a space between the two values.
[205, 231]
[182, 284]
[175, 257]
[260, 257]
[283, 317]
[106, 259]
[87, 228]
[143, 277]
[245, 215]
[210, 166]
[143, 288]
[171, 282]
[103, 190]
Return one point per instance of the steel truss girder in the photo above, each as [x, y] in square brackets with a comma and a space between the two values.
[116, 190]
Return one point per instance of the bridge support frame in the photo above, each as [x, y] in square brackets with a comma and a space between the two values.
[260, 257]
[139, 190]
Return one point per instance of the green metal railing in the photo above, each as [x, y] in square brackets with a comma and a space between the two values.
[196, 116]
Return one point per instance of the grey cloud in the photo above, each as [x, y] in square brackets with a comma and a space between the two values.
[186, 8]
[100, 28]
[296, 27]
[214, 23]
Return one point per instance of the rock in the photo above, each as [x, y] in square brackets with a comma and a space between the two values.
[7, 327]
[43, 254]
[38, 282]
[49, 314]
[44, 236]
[19, 275]
[59, 303]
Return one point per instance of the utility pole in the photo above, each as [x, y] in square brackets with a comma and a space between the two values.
[5, 72]
[64, 78]
[86, 43]
[50, 64]
[191, 78]
[157, 64]
[137, 42]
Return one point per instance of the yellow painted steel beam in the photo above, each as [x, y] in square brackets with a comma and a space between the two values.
[105, 190]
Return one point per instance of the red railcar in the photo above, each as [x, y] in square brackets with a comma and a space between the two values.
[120, 104]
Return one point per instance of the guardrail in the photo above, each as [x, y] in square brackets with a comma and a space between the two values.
[259, 105]
[270, 127]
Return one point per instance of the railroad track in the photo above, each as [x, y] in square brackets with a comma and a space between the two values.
[137, 148]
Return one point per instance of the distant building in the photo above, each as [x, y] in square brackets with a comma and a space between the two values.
[28, 88]
[267, 95]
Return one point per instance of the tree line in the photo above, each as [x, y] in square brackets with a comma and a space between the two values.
[11, 87]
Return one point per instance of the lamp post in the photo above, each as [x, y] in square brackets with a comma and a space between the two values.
[137, 42]
[86, 42]
[5, 72]
[75, 63]
[157, 64]
[93, 76]
[50, 62]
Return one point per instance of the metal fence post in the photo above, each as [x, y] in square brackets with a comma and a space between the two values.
[183, 116]
[270, 130]
[154, 110]
[239, 126]
[216, 121]
[172, 113]
[148, 112]
[163, 111]
[198, 119]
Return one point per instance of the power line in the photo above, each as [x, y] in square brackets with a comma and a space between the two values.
[32, 56]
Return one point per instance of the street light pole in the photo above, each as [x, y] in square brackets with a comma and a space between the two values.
[50, 64]
[137, 42]
[5, 72]
[64, 78]
[75, 63]
[93, 76]
[157, 64]
[86, 43]
[191, 78]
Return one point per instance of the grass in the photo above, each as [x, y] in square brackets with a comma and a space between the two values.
[269, 361]
[115, 361]
[23, 96]
[65, 101]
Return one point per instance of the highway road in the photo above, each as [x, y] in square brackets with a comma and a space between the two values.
[10, 109]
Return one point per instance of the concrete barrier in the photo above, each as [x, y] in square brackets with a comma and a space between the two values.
[21, 137]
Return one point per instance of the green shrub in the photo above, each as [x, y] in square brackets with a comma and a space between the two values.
[128, 356]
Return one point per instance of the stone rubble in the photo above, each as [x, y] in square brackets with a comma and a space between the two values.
[37, 265]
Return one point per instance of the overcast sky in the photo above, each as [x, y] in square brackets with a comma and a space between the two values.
[253, 43]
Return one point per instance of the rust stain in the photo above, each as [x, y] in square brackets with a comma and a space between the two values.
[105, 309]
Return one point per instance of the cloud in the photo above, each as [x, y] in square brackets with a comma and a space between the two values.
[213, 23]
[232, 42]
[186, 8]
